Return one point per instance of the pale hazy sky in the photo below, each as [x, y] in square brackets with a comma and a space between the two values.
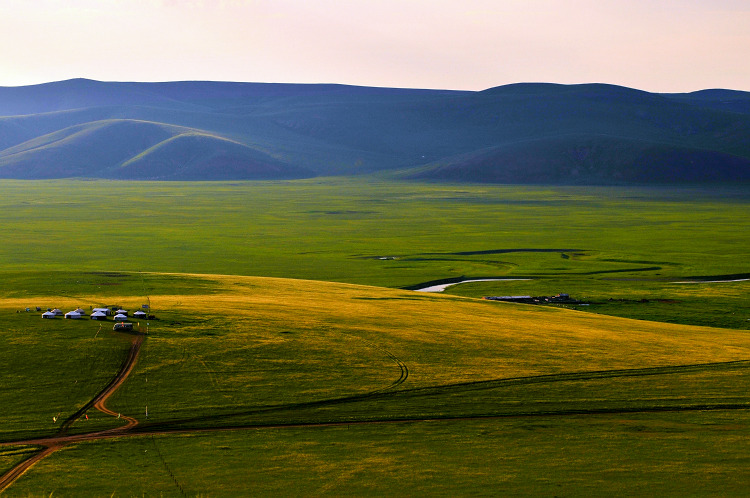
[655, 45]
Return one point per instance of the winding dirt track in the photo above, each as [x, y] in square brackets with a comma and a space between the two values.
[54, 443]
[127, 367]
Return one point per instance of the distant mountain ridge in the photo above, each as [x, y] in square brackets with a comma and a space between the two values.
[519, 133]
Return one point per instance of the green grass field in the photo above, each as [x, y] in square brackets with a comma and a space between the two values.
[344, 388]
[267, 353]
[603, 242]
[687, 455]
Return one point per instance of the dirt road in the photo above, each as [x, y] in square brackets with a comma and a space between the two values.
[54, 443]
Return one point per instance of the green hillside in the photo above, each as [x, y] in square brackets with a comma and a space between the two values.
[592, 160]
[139, 150]
[83, 150]
[196, 156]
[626, 135]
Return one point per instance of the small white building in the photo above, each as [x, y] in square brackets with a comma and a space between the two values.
[73, 315]
[48, 314]
[120, 317]
[98, 315]
[80, 311]
[139, 314]
[57, 312]
[106, 311]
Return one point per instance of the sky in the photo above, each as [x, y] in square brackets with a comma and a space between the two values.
[653, 45]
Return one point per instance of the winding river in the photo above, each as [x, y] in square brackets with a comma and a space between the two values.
[442, 287]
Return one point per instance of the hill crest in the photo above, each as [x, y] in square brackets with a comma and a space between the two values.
[56, 130]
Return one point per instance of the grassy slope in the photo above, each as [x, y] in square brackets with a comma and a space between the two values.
[83, 150]
[588, 160]
[132, 149]
[255, 347]
[196, 156]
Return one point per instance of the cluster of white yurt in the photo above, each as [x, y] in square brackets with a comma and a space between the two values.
[96, 314]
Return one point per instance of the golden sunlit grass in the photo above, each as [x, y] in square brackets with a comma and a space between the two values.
[510, 339]
[268, 352]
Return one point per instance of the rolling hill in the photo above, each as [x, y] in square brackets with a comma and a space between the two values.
[520, 133]
[587, 159]
[129, 149]
[196, 156]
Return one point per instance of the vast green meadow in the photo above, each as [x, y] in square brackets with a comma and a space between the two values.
[627, 244]
[335, 379]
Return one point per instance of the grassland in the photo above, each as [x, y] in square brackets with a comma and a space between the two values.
[315, 372]
[312, 387]
[715, 304]
[687, 455]
[80, 237]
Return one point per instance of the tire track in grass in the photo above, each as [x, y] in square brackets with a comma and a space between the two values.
[163, 429]
[401, 365]
[458, 388]
[146, 431]
[578, 376]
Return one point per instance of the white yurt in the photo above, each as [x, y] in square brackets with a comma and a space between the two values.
[72, 315]
[57, 312]
[48, 314]
[139, 314]
[98, 315]
[80, 311]
[120, 317]
[106, 311]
